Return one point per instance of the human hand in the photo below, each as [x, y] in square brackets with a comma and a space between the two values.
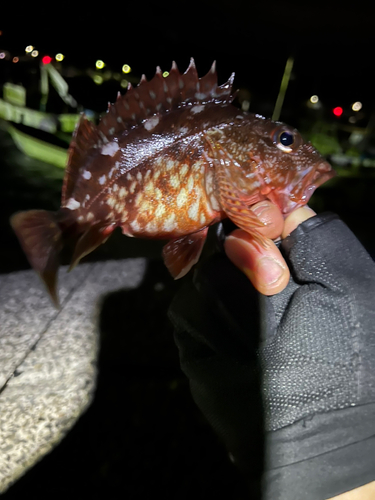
[265, 267]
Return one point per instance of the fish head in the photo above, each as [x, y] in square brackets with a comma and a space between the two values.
[288, 168]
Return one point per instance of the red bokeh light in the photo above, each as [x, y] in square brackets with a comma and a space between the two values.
[46, 59]
[338, 111]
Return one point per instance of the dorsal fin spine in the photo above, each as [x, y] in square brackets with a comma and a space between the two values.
[191, 64]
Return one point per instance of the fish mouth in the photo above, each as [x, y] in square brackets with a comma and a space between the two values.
[323, 173]
[299, 196]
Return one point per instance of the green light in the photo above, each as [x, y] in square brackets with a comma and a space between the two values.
[59, 57]
[165, 74]
[126, 68]
[98, 79]
[99, 64]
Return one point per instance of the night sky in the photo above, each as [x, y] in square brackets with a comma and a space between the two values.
[332, 42]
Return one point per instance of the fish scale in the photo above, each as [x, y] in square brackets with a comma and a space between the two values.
[163, 200]
[170, 158]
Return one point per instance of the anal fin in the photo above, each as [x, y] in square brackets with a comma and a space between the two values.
[182, 253]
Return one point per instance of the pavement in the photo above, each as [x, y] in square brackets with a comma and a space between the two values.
[48, 357]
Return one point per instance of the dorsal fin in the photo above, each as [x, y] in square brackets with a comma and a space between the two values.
[160, 95]
[85, 136]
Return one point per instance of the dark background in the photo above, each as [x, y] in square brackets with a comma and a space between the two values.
[331, 41]
[143, 433]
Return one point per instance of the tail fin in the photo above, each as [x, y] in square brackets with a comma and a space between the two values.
[41, 239]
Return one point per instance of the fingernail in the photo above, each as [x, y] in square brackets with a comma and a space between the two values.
[270, 270]
[261, 207]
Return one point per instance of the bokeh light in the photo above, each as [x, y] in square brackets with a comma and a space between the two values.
[245, 105]
[165, 74]
[59, 56]
[98, 79]
[2, 55]
[35, 53]
[46, 59]
[15, 59]
[126, 68]
[357, 106]
[338, 111]
[314, 99]
[124, 83]
[99, 64]
[29, 49]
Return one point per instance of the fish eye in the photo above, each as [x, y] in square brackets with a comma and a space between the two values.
[286, 140]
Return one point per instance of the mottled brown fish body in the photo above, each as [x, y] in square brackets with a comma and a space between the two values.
[169, 159]
[156, 181]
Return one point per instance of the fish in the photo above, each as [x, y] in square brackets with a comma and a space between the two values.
[170, 158]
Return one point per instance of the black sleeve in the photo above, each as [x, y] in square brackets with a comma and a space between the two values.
[288, 381]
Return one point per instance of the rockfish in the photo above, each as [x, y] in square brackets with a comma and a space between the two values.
[169, 159]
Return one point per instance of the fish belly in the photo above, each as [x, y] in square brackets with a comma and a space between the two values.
[163, 204]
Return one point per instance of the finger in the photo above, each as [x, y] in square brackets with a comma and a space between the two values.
[295, 218]
[271, 217]
[265, 267]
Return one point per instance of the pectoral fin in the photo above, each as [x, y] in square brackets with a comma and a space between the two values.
[91, 239]
[235, 203]
[182, 253]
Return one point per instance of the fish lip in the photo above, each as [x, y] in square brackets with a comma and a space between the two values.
[325, 175]
[321, 176]
[322, 173]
